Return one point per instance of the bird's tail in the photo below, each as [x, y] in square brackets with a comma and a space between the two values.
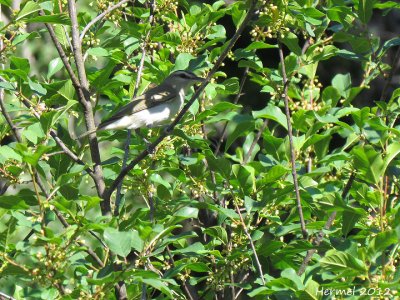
[86, 133]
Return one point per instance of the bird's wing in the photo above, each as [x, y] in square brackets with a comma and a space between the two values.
[149, 99]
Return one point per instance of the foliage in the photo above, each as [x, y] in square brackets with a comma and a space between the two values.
[212, 212]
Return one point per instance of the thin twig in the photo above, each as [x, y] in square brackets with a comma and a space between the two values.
[169, 129]
[5, 297]
[290, 134]
[241, 281]
[327, 226]
[395, 65]
[191, 294]
[137, 83]
[255, 141]
[8, 117]
[258, 264]
[235, 101]
[100, 16]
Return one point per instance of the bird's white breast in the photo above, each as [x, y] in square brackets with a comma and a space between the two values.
[154, 116]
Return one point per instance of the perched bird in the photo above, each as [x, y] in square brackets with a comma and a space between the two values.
[155, 107]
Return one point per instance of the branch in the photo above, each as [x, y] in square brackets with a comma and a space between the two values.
[169, 129]
[255, 141]
[84, 99]
[259, 267]
[327, 226]
[5, 297]
[7, 116]
[100, 16]
[290, 133]
[393, 70]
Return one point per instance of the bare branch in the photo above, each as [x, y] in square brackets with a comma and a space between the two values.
[84, 99]
[197, 93]
[290, 134]
[101, 16]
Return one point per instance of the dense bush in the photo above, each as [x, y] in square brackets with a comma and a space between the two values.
[295, 199]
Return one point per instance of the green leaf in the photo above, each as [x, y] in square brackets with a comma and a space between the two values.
[7, 153]
[7, 86]
[37, 87]
[6, 2]
[187, 212]
[98, 52]
[274, 174]
[292, 275]
[119, 242]
[48, 119]
[349, 220]
[217, 31]
[29, 8]
[342, 83]
[20, 66]
[292, 42]
[53, 19]
[365, 8]
[242, 126]
[21, 200]
[55, 65]
[182, 61]
[159, 285]
[33, 133]
[170, 38]
[217, 232]
[338, 262]
[391, 153]
[368, 162]
[245, 176]
[382, 241]
[273, 113]
[259, 45]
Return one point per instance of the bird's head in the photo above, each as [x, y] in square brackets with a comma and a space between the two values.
[183, 79]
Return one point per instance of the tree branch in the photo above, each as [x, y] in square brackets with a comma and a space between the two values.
[255, 141]
[84, 99]
[8, 117]
[169, 129]
[100, 16]
[290, 133]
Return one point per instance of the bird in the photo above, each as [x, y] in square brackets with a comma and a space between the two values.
[155, 107]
